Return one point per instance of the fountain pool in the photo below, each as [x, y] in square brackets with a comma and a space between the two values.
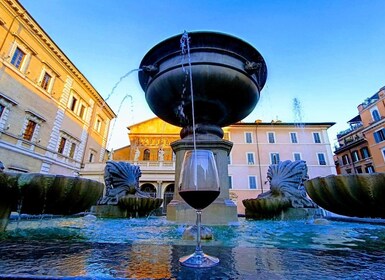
[93, 248]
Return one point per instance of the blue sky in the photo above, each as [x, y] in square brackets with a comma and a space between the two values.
[328, 54]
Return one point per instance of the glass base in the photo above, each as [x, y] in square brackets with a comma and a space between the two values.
[199, 260]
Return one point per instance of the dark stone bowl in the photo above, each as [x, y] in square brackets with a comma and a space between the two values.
[227, 73]
[361, 195]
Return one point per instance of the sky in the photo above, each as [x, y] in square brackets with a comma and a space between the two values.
[329, 55]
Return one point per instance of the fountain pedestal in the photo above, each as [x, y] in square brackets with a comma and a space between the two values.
[223, 210]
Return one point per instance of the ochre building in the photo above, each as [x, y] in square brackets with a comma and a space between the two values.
[52, 120]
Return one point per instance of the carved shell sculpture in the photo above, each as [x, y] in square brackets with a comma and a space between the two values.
[359, 195]
[120, 174]
[121, 179]
[286, 190]
[122, 189]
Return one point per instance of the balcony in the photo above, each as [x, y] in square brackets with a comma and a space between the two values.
[352, 128]
[349, 143]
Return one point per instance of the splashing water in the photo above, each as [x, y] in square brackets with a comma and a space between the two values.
[117, 115]
[121, 103]
[120, 80]
[185, 50]
[297, 110]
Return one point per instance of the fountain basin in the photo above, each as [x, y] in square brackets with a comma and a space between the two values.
[361, 195]
[227, 75]
[37, 193]
[90, 248]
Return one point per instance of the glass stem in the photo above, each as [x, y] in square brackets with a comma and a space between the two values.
[198, 248]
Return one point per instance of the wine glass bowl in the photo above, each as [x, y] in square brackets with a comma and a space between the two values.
[199, 187]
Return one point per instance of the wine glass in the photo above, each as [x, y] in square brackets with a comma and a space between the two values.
[199, 187]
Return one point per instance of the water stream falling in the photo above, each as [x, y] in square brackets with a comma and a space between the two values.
[121, 79]
[185, 50]
[297, 110]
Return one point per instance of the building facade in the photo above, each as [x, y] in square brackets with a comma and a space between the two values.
[258, 145]
[52, 120]
[362, 148]
[255, 147]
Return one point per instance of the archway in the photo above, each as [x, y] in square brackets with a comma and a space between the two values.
[148, 188]
[168, 196]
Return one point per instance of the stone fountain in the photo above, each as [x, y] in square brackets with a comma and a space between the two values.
[123, 197]
[286, 198]
[221, 77]
[37, 193]
[353, 195]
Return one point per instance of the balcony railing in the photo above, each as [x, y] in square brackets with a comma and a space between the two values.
[349, 130]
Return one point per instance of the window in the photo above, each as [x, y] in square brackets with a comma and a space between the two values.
[91, 157]
[250, 158]
[379, 135]
[73, 103]
[230, 182]
[252, 182]
[321, 159]
[18, 58]
[248, 137]
[383, 152]
[345, 159]
[365, 153]
[316, 137]
[293, 137]
[274, 158]
[82, 111]
[98, 124]
[355, 156]
[146, 154]
[297, 156]
[46, 80]
[375, 114]
[271, 137]
[29, 130]
[2, 107]
[62, 144]
[358, 170]
[369, 169]
[72, 150]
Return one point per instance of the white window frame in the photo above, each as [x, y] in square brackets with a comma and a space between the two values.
[296, 137]
[318, 159]
[315, 138]
[31, 116]
[79, 103]
[355, 156]
[268, 137]
[248, 160]
[383, 153]
[296, 153]
[27, 57]
[98, 124]
[7, 103]
[271, 157]
[247, 135]
[51, 82]
[372, 110]
[249, 178]
[68, 144]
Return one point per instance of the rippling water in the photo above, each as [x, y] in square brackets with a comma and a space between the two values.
[150, 248]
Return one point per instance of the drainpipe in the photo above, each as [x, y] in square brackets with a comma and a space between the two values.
[257, 122]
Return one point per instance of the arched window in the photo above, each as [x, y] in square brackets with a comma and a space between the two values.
[146, 154]
[375, 115]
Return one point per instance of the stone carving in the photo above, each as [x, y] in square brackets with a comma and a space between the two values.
[287, 190]
[121, 179]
